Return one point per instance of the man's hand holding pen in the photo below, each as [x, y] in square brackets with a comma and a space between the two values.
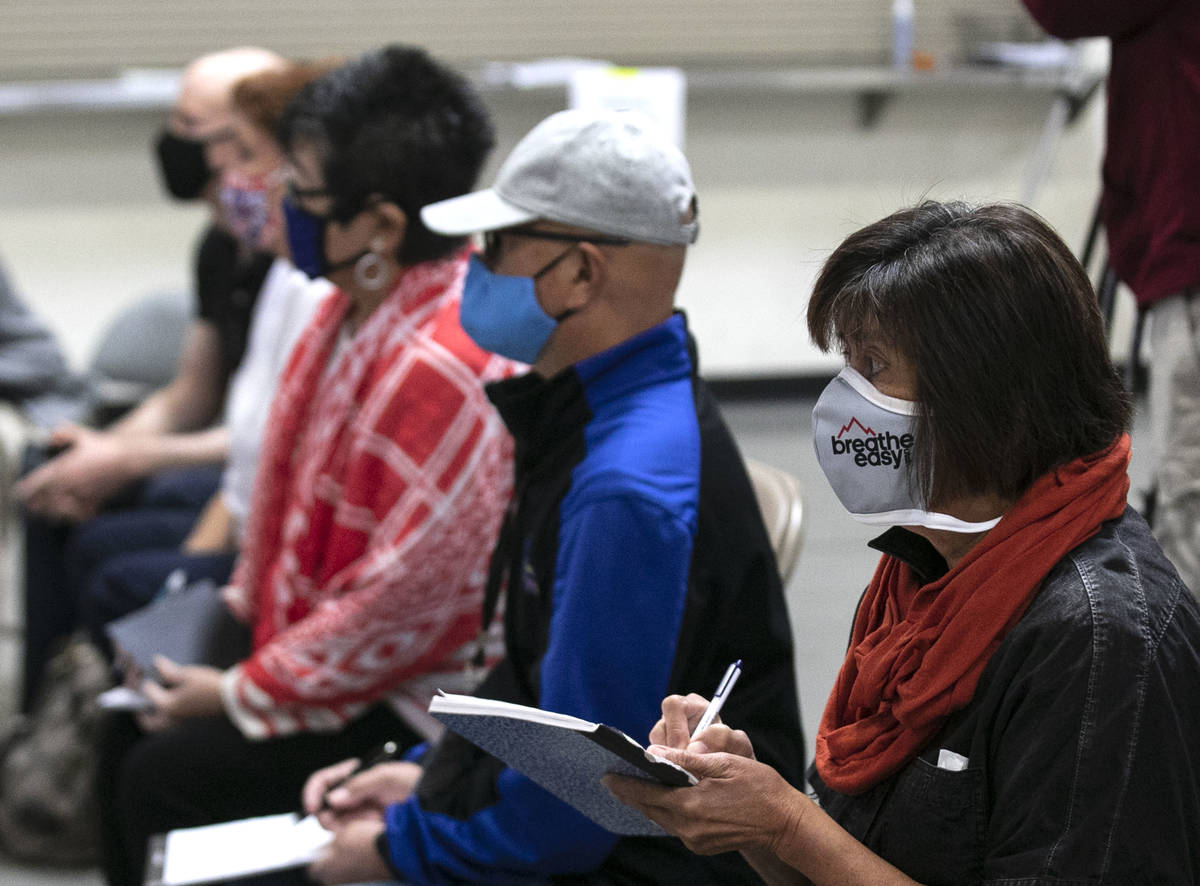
[349, 799]
[355, 789]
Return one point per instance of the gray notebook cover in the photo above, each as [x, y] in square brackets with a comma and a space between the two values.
[189, 626]
[567, 761]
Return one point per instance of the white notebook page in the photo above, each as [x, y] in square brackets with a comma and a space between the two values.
[240, 848]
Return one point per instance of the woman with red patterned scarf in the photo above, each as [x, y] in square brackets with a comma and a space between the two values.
[381, 483]
[1018, 701]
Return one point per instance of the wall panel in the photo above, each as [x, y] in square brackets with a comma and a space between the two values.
[84, 38]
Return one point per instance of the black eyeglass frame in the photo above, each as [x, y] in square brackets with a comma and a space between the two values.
[491, 239]
[296, 193]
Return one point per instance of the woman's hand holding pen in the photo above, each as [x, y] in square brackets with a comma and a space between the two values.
[723, 811]
[738, 804]
[741, 804]
[680, 716]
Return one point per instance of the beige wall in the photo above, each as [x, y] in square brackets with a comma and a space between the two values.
[782, 178]
[783, 175]
[80, 38]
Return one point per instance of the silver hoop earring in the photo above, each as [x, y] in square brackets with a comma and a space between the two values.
[370, 272]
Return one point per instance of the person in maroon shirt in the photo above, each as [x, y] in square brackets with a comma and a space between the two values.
[1151, 212]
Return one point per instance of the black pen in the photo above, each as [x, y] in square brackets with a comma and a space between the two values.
[389, 750]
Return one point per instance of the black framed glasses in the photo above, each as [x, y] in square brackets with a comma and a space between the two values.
[297, 193]
[491, 240]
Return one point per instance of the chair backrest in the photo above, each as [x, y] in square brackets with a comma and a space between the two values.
[782, 505]
[138, 352]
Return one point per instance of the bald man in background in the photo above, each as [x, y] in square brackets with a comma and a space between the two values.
[164, 456]
[173, 427]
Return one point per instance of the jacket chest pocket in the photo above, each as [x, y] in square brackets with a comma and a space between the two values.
[933, 825]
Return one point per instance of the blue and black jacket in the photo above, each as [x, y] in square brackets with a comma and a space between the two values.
[634, 564]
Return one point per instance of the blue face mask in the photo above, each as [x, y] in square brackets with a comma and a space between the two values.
[306, 242]
[502, 315]
[306, 239]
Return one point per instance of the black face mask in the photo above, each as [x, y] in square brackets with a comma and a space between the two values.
[184, 170]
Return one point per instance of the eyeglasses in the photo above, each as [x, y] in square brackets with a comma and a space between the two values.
[491, 240]
[296, 193]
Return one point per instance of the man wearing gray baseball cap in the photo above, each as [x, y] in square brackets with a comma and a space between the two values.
[597, 210]
[632, 559]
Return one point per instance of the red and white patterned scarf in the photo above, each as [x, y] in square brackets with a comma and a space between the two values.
[378, 496]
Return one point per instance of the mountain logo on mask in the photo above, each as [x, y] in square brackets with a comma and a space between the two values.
[863, 460]
[850, 426]
[870, 449]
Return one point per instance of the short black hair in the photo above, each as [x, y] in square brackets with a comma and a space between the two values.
[397, 124]
[1003, 329]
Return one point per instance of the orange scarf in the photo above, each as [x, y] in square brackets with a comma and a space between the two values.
[917, 651]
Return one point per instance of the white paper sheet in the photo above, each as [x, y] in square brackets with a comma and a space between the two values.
[240, 848]
[122, 698]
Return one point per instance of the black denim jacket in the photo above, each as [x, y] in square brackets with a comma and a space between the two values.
[1082, 741]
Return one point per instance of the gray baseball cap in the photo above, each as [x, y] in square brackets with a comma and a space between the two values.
[610, 172]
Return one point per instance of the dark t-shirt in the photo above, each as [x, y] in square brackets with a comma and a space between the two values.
[1080, 743]
[227, 285]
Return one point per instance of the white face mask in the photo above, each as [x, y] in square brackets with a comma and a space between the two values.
[864, 442]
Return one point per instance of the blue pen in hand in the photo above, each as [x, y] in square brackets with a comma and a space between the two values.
[718, 700]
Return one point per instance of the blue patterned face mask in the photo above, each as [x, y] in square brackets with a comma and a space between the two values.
[864, 442]
[246, 205]
[501, 313]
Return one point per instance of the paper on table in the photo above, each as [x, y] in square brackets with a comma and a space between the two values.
[240, 848]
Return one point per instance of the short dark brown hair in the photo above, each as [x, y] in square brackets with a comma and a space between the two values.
[1002, 327]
